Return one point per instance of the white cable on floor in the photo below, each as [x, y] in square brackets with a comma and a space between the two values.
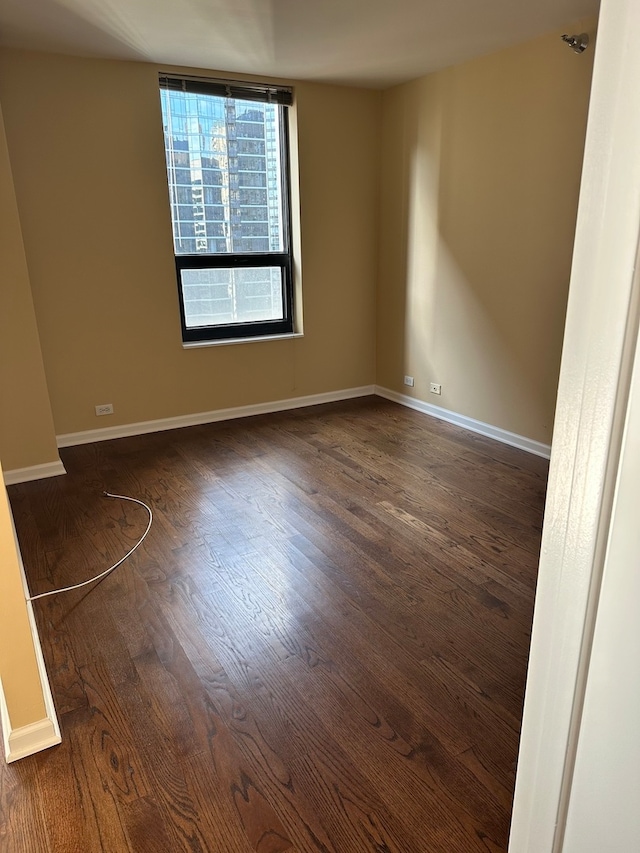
[115, 565]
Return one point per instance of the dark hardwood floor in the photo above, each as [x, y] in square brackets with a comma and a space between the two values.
[321, 645]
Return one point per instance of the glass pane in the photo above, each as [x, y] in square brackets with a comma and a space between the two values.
[223, 168]
[215, 297]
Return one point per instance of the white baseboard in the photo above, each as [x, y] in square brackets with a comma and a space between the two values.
[26, 740]
[88, 436]
[503, 435]
[43, 733]
[33, 472]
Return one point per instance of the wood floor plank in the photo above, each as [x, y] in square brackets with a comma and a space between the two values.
[317, 768]
[321, 646]
[69, 778]
[23, 824]
[415, 631]
[365, 714]
[348, 679]
[255, 758]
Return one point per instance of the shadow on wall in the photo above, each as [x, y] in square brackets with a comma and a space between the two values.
[481, 172]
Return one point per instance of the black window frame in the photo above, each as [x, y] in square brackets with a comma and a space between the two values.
[283, 98]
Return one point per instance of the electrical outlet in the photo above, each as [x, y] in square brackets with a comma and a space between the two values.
[435, 388]
[104, 409]
[408, 380]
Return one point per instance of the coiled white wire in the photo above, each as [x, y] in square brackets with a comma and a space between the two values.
[115, 565]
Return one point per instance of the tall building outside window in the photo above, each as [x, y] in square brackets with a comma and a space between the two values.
[226, 149]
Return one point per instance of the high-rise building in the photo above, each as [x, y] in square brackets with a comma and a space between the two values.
[223, 168]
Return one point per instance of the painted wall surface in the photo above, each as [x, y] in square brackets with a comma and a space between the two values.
[27, 436]
[18, 668]
[86, 148]
[480, 172]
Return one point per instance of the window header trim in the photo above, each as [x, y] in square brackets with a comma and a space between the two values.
[245, 91]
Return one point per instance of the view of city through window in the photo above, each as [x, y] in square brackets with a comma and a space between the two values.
[224, 173]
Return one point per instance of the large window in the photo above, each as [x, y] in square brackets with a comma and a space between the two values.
[226, 148]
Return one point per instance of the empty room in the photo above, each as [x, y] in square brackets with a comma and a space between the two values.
[285, 294]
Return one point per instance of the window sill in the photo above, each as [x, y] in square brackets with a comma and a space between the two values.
[227, 341]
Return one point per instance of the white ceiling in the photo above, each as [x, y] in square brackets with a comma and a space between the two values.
[363, 42]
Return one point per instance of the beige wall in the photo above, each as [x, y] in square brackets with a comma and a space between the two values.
[27, 436]
[474, 172]
[480, 168]
[85, 141]
[18, 668]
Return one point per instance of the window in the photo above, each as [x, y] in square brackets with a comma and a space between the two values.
[226, 147]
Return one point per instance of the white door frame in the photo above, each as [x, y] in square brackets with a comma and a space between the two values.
[602, 317]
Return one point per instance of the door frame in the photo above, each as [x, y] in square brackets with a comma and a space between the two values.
[600, 336]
